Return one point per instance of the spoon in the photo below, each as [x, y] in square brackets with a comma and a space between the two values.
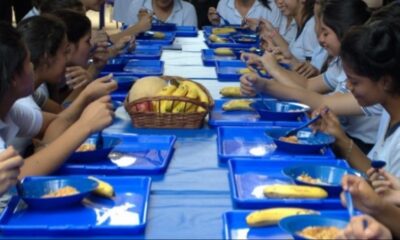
[311, 121]
[223, 19]
[349, 203]
[20, 188]
[99, 141]
[378, 164]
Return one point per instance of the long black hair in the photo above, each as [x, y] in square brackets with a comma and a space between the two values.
[12, 56]
[43, 35]
[48, 6]
[78, 25]
[373, 51]
[340, 15]
[308, 13]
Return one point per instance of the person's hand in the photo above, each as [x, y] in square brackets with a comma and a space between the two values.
[265, 26]
[77, 77]
[250, 23]
[364, 197]
[251, 84]
[251, 59]
[356, 229]
[99, 88]
[125, 43]
[306, 69]
[10, 163]
[385, 185]
[213, 16]
[99, 36]
[329, 123]
[97, 115]
[269, 61]
[145, 20]
[100, 55]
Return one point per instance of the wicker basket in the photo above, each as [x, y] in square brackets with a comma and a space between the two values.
[156, 119]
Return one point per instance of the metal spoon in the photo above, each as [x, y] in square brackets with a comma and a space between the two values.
[349, 203]
[295, 130]
[378, 164]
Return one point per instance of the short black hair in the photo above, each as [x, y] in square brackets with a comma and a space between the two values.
[373, 51]
[48, 6]
[78, 25]
[12, 56]
[392, 10]
[340, 15]
[43, 35]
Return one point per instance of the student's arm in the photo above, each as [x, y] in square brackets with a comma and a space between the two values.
[143, 25]
[96, 117]
[52, 106]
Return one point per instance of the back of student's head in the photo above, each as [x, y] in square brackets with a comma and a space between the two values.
[78, 25]
[12, 55]
[48, 6]
[340, 15]
[43, 36]
[373, 51]
[388, 11]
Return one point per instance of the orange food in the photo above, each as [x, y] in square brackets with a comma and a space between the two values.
[290, 139]
[307, 179]
[62, 192]
[86, 147]
[320, 232]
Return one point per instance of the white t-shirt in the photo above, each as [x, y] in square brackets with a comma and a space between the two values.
[319, 57]
[303, 47]
[22, 121]
[183, 13]
[288, 32]
[228, 11]
[387, 149]
[363, 127]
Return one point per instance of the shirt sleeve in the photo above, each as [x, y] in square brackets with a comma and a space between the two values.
[29, 119]
[310, 41]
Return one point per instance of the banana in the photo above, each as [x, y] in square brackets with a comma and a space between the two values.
[103, 189]
[230, 92]
[165, 91]
[272, 216]
[203, 97]
[224, 30]
[179, 92]
[237, 104]
[159, 35]
[294, 191]
[223, 51]
[244, 71]
[216, 39]
[181, 106]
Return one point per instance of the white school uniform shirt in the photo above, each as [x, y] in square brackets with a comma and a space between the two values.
[319, 57]
[304, 45]
[183, 13]
[387, 148]
[33, 12]
[288, 32]
[227, 9]
[364, 127]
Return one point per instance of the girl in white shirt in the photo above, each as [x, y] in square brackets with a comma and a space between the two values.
[178, 12]
[236, 11]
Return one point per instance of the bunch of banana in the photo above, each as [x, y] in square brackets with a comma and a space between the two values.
[272, 216]
[214, 38]
[223, 30]
[230, 92]
[104, 189]
[237, 104]
[222, 51]
[186, 89]
[294, 191]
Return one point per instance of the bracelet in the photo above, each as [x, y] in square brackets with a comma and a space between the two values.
[349, 149]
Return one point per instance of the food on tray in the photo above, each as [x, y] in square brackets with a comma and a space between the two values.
[223, 51]
[320, 232]
[237, 104]
[244, 71]
[103, 189]
[223, 30]
[290, 139]
[230, 92]
[216, 39]
[307, 179]
[294, 191]
[86, 147]
[159, 35]
[245, 39]
[62, 192]
[272, 216]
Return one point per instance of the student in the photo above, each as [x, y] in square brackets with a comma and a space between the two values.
[236, 11]
[360, 123]
[48, 6]
[288, 27]
[170, 11]
[10, 162]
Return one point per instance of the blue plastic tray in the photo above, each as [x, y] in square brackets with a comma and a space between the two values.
[124, 82]
[148, 52]
[143, 68]
[208, 30]
[228, 71]
[247, 179]
[116, 64]
[218, 117]
[231, 43]
[125, 214]
[235, 226]
[164, 27]
[253, 143]
[168, 40]
[209, 58]
[136, 154]
[186, 31]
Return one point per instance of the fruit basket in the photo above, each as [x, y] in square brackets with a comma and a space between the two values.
[181, 103]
